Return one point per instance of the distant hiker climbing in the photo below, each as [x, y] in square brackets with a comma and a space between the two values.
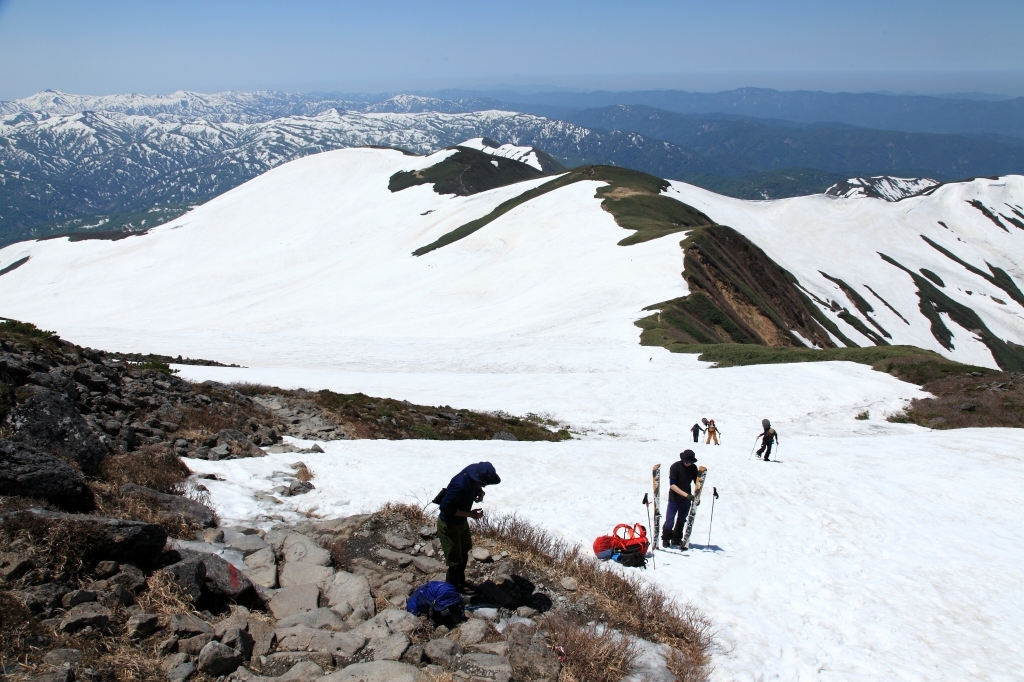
[682, 475]
[456, 504]
[712, 430]
[695, 430]
[767, 438]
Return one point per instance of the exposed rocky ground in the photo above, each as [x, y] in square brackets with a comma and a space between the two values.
[311, 600]
[326, 415]
[113, 566]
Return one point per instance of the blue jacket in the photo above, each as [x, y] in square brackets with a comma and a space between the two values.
[463, 490]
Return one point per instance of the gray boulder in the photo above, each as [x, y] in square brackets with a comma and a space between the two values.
[181, 672]
[375, 671]
[292, 600]
[303, 670]
[142, 625]
[61, 656]
[350, 589]
[261, 567]
[442, 651]
[188, 625]
[321, 619]
[473, 631]
[218, 659]
[51, 421]
[300, 573]
[238, 445]
[172, 506]
[32, 472]
[530, 656]
[188, 574]
[217, 580]
[391, 647]
[85, 615]
[193, 645]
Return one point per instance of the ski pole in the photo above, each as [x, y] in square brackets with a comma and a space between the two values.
[752, 449]
[647, 504]
[714, 496]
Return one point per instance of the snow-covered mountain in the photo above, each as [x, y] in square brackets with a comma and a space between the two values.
[64, 157]
[231, 106]
[881, 187]
[938, 271]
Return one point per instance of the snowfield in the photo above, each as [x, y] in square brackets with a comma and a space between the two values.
[869, 551]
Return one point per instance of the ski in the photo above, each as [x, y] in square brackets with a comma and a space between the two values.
[701, 475]
[656, 480]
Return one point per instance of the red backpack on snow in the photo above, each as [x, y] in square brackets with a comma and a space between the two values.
[624, 538]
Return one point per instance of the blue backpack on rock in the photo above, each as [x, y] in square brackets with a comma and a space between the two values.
[437, 599]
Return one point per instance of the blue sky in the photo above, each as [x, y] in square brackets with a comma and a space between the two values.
[152, 46]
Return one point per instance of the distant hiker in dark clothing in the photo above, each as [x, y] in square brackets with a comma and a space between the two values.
[456, 507]
[712, 432]
[767, 438]
[682, 476]
[695, 430]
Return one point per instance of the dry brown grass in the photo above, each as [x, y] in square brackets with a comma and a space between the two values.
[61, 548]
[443, 676]
[152, 466]
[206, 420]
[16, 626]
[963, 401]
[624, 601]
[163, 596]
[592, 653]
[684, 669]
[112, 504]
[304, 473]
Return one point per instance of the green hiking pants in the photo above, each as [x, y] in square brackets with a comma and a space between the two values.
[455, 542]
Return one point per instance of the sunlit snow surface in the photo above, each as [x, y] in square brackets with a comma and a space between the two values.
[870, 551]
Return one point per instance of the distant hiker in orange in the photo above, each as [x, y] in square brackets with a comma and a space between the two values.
[712, 432]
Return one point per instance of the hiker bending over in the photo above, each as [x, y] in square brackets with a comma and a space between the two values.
[712, 432]
[695, 430]
[452, 523]
[682, 477]
[767, 438]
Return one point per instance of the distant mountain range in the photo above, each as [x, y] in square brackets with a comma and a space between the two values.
[128, 162]
[908, 113]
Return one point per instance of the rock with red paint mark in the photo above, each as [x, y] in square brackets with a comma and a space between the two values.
[221, 581]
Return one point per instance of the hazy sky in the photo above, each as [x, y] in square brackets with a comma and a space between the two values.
[158, 46]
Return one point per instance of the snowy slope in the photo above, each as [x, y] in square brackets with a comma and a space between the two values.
[881, 187]
[873, 551]
[844, 237]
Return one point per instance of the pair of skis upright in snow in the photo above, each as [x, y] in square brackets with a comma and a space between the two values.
[702, 474]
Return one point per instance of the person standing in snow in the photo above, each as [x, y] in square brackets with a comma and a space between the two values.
[712, 432]
[695, 430]
[767, 438]
[682, 476]
[456, 507]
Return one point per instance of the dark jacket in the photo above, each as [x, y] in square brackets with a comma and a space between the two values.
[464, 489]
[681, 475]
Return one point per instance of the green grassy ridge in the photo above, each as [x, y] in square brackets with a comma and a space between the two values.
[468, 171]
[909, 362]
[717, 256]
[633, 198]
